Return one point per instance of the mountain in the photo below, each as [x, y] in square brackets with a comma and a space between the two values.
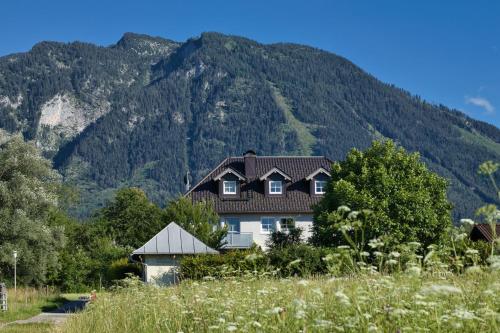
[146, 110]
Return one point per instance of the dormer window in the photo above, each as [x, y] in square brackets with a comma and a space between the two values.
[318, 180]
[229, 183]
[319, 186]
[275, 187]
[229, 187]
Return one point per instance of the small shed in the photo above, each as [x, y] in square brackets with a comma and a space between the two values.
[161, 255]
[483, 231]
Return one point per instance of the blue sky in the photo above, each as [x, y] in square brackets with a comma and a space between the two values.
[445, 51]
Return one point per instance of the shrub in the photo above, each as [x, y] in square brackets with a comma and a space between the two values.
[279, 239]
[299, 260]
[231, 263]
[122, 268]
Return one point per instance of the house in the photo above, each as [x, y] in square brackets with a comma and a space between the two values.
[483, 231]
[161, 255]
[256, 195]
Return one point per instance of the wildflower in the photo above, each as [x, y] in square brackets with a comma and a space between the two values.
[213, 327]
[413, 270]
[392, 262]
[343, 209]
[353, 215]
[303, 283]
[414, 244]
[256, 324]
[372, 328]
[464, 314]
[394, 254]
[342, 298]
[322, 323]
[343, 247]
[375, 243]
[365, 254]
[317, 292]
[231, 328]
[378, 254]
[300, 314]
[441, 289]
[473, 270]
[295, 262]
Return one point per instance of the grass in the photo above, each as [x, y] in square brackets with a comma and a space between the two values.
[28, 328]
[365, 303]
[28, 302]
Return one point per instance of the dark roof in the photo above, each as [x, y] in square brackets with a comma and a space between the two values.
[252, 199]
[483, 231]
[173, 239]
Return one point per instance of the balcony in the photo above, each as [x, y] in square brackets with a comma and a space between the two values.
[238, 240]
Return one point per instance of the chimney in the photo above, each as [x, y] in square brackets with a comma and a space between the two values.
[250, 159]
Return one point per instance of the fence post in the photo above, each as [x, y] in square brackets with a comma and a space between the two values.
[3, 297]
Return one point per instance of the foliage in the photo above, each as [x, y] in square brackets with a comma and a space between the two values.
[131, 219]
[29, 190]
[121, 268]
[392, 194]
[280, 239]
[28, 302]
[298, 260]
[229, 264]
[363, 303]
[196, 104]
[199, 219]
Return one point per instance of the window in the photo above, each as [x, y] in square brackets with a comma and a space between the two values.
[319, 186]
[233, 225]
[229, 187]
[267, 224]
[287, 224]
[275, 187]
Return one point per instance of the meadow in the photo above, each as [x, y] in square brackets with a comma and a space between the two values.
[406, 302]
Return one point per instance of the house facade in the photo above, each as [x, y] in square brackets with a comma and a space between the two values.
[256, 195]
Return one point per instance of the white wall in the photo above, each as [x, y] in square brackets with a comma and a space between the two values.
[161, 269]
[251, 223]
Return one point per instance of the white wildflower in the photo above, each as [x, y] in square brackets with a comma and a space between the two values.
[256, 324]
[375, 243]
[231, 328]
[392, 262]
[441, 289]
[322, 323]
[394, 254]
[464, 314]
[343, 209]
[353, 215]
[413, 270]
[342, 298]
[303, 283]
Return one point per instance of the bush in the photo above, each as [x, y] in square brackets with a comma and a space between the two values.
[299, 260]
[280, 239]
[122, 268]
[231, 263]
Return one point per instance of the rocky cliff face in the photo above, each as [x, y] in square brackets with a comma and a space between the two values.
[145, 110]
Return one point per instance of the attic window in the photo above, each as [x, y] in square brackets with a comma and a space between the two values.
[319, 186]
[275, 187]
[229, 187]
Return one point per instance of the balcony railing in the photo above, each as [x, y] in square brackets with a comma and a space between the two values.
[238, 240]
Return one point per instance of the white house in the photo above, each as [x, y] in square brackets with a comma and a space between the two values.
[160, 256]
[256, 195]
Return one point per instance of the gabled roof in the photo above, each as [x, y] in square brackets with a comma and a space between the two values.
[252, 198]
[482, 231]
[229, 170]
[275, 170]
[320, 170]
[174, 240]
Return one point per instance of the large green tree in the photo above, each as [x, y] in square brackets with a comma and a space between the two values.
[200, 219]
[29, 191]
[131, 219]
[405, 201]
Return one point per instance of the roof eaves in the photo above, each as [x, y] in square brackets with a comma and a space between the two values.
[275, 170]
[229, 170]
[320, 170]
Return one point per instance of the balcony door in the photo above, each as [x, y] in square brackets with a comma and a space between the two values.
[233, 225]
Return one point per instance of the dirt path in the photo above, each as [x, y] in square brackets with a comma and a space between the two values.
[55, 317]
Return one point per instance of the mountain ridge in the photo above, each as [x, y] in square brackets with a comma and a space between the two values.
[145, 110]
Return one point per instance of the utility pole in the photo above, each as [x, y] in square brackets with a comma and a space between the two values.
[14, 253]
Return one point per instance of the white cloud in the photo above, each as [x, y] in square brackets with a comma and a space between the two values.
[482, 103]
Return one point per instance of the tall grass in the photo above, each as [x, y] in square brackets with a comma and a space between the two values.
[364, 303]
[27, 302]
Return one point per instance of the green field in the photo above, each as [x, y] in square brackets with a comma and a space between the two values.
[366, 303]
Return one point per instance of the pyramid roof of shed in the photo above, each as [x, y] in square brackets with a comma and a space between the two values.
[173, 239]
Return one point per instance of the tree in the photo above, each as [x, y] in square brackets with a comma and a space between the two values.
[200, 219]
[131, 219]
[281, 239]
[29, 191]
[400, 198]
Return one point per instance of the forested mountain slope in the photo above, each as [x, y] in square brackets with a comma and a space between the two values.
[145, 110]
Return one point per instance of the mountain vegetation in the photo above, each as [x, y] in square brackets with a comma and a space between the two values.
[144, 111]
